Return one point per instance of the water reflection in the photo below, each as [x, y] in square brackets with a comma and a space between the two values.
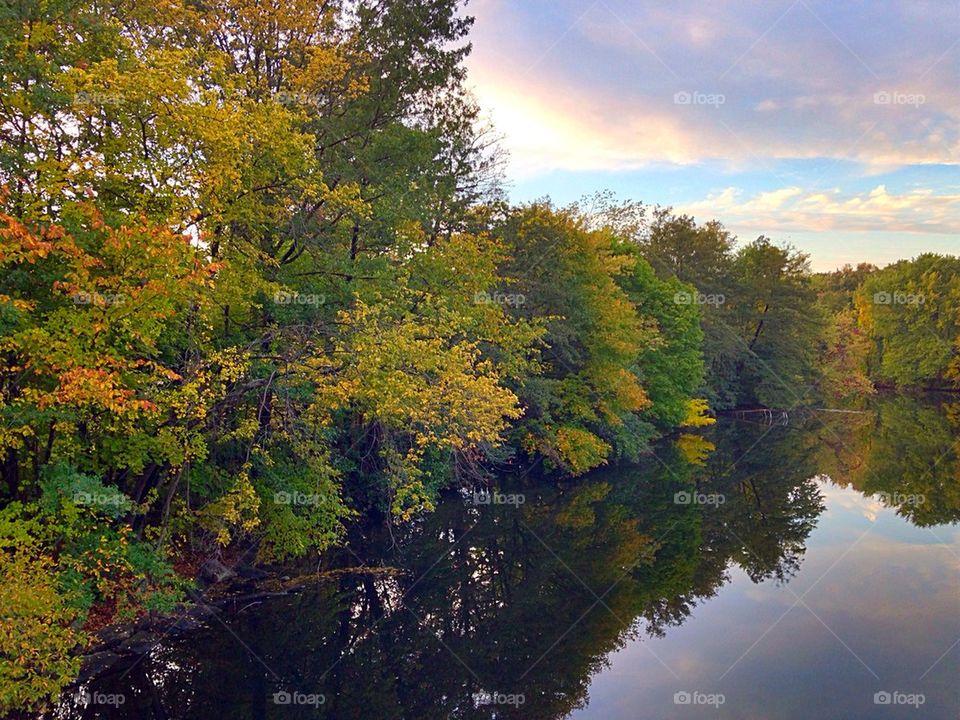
[585, 592]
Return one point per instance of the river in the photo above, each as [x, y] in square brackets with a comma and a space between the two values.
[793, 567]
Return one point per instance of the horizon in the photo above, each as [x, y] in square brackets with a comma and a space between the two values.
[787, 120]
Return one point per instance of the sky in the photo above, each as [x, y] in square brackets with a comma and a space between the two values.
[830, 125]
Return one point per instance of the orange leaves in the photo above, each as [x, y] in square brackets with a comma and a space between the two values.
[159, 369]
[19, 244]
[100, 305]
[629, 392]
[22, 305]
[95, 387]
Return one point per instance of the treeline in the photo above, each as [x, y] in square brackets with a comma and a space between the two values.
[896, 327]
[259, 278]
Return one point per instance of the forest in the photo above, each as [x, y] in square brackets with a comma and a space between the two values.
[260, 280]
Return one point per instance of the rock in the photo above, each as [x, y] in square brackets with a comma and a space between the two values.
[185, 624]
[252, 573]
[110, 636]
[96, 664]
[214, 571]
[140, 644]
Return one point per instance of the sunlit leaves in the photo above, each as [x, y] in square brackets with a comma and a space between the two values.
[413, 380]
[697, 414]
[91, 350]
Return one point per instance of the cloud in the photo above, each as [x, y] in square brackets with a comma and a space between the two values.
[563, 129]
[794, 209]
[594, 88]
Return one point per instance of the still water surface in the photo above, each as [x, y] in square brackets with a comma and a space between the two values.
[759, 570]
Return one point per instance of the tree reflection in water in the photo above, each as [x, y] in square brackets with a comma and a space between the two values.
[529, 600]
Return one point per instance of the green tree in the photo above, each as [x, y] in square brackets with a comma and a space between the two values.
[911, 312]
[777, 326]
[671, 369]
[587, 401]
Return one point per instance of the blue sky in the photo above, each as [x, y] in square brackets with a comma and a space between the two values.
[834, 126]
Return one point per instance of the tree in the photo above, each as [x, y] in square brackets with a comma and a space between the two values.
[777, 326]
[672, 368]
[586, 404]
[911, 312]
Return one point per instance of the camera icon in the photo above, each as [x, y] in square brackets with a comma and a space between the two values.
[682, 298]
[881, 98]
[682, 98]
[682, 698]
[882, 698]
[682, 498]
[882, 298]
[282, 498]
[282, 698]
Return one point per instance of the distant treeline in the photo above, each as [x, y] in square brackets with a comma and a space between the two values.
[895, 327]
[258, 278]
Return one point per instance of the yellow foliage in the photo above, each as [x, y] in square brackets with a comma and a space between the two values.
[414, 378]
[580, 449]
[237, 509]
[694, 448]
[579, 513]
[36, 636]
[696, 414]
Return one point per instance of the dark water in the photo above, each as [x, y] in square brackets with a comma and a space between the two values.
[815, 567]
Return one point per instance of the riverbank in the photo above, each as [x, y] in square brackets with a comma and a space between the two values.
[495, 601]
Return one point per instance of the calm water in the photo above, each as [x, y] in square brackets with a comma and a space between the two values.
[814, 566]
